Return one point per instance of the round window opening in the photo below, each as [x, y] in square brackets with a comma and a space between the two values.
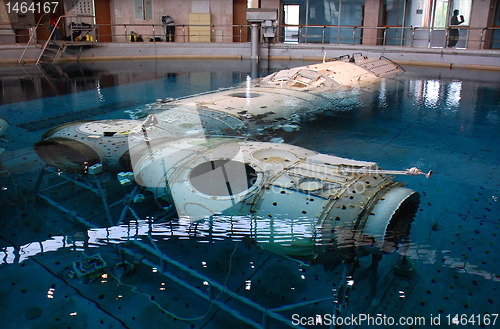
[222, 177]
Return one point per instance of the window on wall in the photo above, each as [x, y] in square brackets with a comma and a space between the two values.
[352, 13]
[418, 13]
[253, 3]
[394, 12]
[464, 7]
[143, 9]
[495, 38]
[291, 17]
[329, 21]
[440, 13]
[496, 20]
[329, 12]
[332, 12]
[443, 11]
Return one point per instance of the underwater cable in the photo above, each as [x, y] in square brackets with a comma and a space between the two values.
[134, 289]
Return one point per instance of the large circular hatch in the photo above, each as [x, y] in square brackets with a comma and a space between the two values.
[222, 177]
[67, 154]
[108, 128]
[275, 156]
[244, 95]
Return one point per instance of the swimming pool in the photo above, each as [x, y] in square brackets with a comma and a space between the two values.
[444, 120]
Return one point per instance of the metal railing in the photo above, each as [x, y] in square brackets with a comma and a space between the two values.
[73, 27]
[324, 34]
[157, 32]
[428, 37]
[32, 36]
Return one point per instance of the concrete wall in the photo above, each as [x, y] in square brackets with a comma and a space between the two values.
[7, 35]
[481, 15]
[124, 13]
[221, 12]
[451, 58]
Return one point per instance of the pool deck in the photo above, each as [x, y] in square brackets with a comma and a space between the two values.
[483, 59]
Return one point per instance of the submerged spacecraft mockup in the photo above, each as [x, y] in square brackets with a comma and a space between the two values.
[301, 204]
[278, 99]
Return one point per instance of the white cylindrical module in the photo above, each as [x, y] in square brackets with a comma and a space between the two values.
[298, 203]
[78, 145]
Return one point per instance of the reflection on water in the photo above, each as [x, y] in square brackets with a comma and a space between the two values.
[453, 95]
[431, 93]
[443, 120]
[170, 79]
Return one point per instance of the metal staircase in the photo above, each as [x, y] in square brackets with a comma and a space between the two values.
[52, 50]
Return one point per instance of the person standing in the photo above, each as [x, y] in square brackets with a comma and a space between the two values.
[453, 33]
[53, 21]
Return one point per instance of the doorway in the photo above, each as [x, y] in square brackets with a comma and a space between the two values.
[291, 17]
[240, 30]
[441, 17]
[43, 31]
[103, 21]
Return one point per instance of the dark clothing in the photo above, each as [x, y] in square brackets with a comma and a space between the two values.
[56, 35]
[453, 36]
[453, 33]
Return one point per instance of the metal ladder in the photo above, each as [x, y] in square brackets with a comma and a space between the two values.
[61, 45]
[32, 34]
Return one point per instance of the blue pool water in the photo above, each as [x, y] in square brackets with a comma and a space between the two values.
[441, 120]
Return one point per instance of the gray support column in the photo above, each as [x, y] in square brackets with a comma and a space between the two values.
[373, 14]
[482, 14]
[255, 41]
